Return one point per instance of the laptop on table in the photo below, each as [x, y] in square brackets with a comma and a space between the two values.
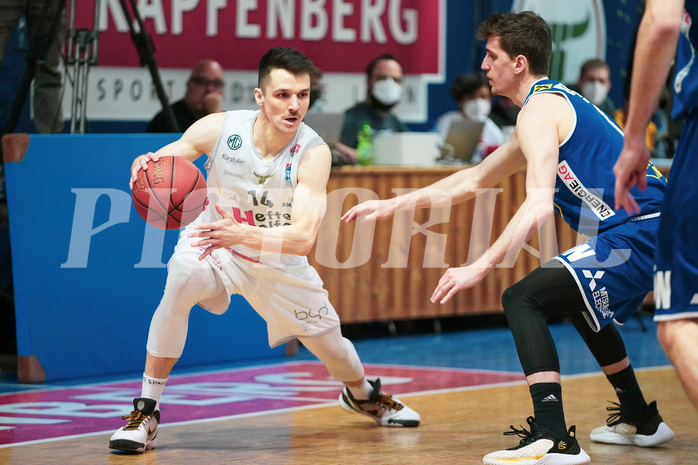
[327, 125]
[462, 140]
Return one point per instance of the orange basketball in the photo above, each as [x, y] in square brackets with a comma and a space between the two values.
[170, 194]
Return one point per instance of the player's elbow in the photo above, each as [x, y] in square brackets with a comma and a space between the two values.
[304, 247]
[664, 27]
[304, 243]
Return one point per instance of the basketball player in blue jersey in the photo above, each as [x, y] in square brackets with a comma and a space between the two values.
[568, 148]
[267, 179]
[676, 277]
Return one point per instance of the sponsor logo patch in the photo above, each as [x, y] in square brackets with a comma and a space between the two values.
[234, 142]
[600, 208]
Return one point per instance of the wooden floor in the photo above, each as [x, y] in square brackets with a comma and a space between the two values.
[457, 427]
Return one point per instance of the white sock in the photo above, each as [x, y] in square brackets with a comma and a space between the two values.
[152, 388]
[362, 392]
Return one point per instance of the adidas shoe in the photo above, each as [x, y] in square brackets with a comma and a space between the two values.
[538, 447]
[382, 407]
[142, 429]
[649, 431]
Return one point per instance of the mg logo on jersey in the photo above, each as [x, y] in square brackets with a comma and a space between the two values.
[579, 33]
[234, 142]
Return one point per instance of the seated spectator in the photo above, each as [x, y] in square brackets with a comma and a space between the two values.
[594, 83]
[383, 91]
[204, 96]
[472, 94]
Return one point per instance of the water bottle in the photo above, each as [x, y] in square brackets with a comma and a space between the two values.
[364, 150]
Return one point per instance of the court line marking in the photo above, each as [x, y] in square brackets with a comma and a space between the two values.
[137, 378]
[328, 403]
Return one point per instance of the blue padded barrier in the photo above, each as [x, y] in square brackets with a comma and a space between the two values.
[88, 272]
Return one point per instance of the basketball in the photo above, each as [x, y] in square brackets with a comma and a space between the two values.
[170, 194]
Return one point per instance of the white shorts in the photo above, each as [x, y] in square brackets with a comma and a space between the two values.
[290, 296]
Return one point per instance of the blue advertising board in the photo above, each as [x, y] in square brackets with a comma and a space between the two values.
[88, 272]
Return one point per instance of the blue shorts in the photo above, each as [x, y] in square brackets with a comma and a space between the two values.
[614, 270]
[676, 277]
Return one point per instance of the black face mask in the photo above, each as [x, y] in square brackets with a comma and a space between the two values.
[315, 95]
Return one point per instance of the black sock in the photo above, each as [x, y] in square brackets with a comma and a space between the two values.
[547, 407]
[632, 402]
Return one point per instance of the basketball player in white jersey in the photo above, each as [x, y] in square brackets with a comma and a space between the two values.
[267, 178]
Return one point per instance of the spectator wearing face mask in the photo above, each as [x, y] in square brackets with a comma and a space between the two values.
[472, 94]
[383, 91]
[594, 83]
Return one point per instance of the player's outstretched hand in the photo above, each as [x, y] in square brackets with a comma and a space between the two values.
[141, 163]
[371, 210]
[456, 279]
[219, 234]
[631, 169]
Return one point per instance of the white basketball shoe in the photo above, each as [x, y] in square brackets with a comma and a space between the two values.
[142, 429]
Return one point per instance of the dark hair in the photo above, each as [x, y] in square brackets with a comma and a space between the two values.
[289, 59]
[465, 84]
[591, 64]
[524, 33]
[372, 65]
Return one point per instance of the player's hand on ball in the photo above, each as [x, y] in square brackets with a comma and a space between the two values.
[140, 163]
[217, 235]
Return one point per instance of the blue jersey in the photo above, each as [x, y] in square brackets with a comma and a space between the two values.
[676, 276]
[686, 80]
[585, 185]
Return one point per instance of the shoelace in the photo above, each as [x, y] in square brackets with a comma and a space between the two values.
[613, 417]
[135, 419]
[387, 400]
[526, 435]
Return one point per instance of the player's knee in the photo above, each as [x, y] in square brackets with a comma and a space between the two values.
[512, 297]
[187, 274]
[344, 363]
[338, 353]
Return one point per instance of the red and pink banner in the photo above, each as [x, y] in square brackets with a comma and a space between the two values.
[340, 36]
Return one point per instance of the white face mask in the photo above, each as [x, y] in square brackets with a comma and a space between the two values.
[477, 109]
[595, 91]
[387, 91]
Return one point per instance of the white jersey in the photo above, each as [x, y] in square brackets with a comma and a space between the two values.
[257, 191]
